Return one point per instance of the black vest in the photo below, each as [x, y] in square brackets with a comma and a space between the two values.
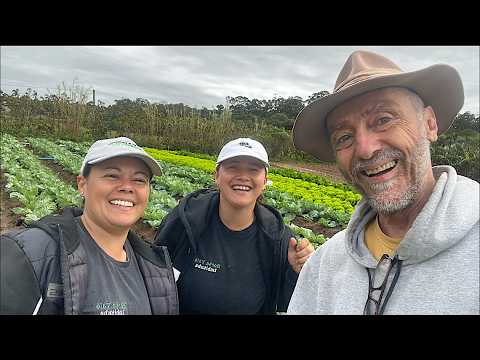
[153, 261]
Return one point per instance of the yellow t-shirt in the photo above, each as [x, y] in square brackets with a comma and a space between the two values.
[377, 242]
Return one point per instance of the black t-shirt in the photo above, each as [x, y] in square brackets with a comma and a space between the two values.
[224, 276]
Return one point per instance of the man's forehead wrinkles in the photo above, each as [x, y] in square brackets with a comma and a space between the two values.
[369, 109]
[339, 124]
[383, 105]
[341, 120]
[362, 108]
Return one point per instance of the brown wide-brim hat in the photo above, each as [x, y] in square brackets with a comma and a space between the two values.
[439, 86]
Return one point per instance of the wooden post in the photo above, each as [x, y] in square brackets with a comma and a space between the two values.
[94, 120]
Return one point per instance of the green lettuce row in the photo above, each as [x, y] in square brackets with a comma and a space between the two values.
[68, 160]
[31, 183]
[315, 239]
[165, 155]
[320, 180]
[175, 186]
[159, 204]
[338, 199]
[195, 155]
[290, 207]
[290, 173]
[330, 196]
[287, 204]
[80, 148]
[191, 174]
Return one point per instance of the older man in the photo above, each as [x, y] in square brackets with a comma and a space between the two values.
[412, 244]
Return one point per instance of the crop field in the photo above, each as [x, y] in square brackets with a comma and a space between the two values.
[38, 178]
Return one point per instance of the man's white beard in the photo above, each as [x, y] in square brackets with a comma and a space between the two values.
[383, 202]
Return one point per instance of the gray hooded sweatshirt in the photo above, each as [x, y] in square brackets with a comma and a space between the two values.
[439, 253]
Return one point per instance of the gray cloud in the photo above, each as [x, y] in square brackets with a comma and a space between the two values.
[205, 75]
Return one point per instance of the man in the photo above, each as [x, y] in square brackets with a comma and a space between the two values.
[412, 244]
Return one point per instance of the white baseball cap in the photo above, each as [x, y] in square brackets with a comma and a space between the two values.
[243, 147]
[105, 149]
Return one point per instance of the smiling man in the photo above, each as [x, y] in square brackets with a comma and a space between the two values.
[412, 244]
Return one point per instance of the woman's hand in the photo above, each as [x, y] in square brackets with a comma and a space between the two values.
[298, 253]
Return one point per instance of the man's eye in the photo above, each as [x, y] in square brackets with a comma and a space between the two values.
[342, 139]
[141, 181]
[383, 120]
[111, 176]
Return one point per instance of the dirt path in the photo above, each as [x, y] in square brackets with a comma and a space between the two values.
[329, 171]
[8, 220]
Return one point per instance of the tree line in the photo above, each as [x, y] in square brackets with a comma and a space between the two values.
[68, 113]
[279, 112]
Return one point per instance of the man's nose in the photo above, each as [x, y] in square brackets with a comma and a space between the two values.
[366, 144]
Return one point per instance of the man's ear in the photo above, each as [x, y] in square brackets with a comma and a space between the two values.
[431, 125]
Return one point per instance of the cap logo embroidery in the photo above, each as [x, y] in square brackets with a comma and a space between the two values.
[246, 144]
[121, 143]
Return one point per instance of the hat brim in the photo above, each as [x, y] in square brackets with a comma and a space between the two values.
[249, 154]
[439, 86]
[150, 162]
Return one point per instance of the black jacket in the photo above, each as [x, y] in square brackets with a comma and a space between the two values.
[186, 223]
[48, 260]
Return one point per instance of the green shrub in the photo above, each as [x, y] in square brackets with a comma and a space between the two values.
[460, 149]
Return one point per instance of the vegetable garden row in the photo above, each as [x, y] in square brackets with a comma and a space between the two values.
[41, 192]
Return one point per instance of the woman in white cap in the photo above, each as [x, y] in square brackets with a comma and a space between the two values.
[232, 254]
[88, 261]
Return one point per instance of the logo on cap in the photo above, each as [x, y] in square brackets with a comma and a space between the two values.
[124, 143]
[246, 144]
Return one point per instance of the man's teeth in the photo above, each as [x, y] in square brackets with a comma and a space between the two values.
[122, 203]
[380, 168]
[240, 187]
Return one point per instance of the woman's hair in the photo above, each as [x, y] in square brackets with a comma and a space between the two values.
[86, 170]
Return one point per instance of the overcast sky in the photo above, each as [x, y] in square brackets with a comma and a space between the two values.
[205, 75]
